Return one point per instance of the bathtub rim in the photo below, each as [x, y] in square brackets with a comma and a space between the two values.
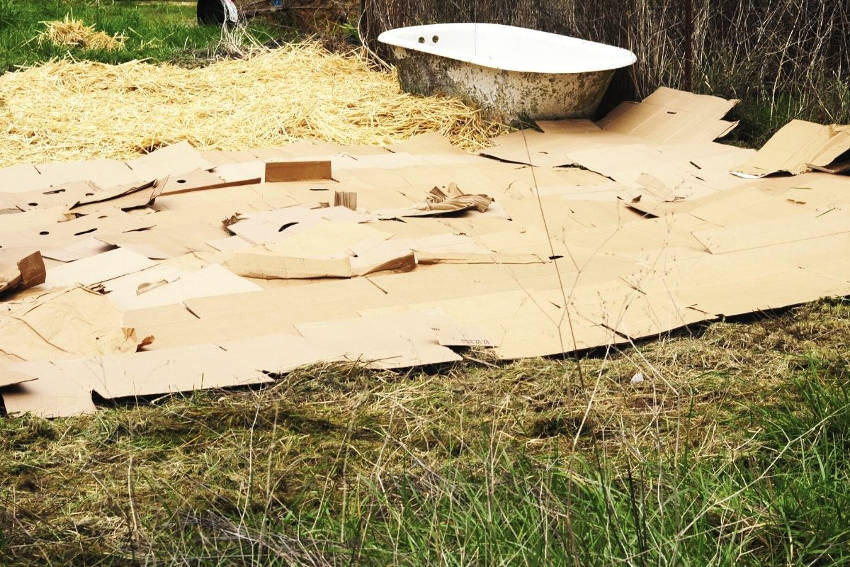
[392, 38]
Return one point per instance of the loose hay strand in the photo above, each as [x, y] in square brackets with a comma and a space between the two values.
[82, 110]
[75, 33]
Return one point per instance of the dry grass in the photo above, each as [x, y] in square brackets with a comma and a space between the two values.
[80, 110]
[75, 33]
[214, 471]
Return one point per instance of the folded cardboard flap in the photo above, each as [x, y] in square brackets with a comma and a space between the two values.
[29, 271]
[796, 148]
[125, 197]
[282, 171]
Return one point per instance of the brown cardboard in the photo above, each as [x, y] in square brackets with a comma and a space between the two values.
[669, 116]
[274, 266]
[29, 271]
[55, 390]
[64, 323]
[797, 147]
[11, 378]
[165, 286]
[124, 197]
[170, 160]
[175, 370]
[558, 262]
[64, 196]
[97, 269]
[200, 180]
[381, 342]
[775, 231]
[297, 170]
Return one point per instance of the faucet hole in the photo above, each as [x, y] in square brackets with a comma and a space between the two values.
[435, 39]
[421, 40]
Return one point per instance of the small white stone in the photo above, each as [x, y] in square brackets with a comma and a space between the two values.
[637, 378]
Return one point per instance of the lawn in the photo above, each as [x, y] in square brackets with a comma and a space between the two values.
[154, 30]
[724, 444]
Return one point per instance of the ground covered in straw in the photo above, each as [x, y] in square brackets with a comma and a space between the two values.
[65, 110]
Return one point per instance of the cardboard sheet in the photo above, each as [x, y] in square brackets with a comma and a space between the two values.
[169, 286]
[381, 342]
[670, 116]
[64, 323]
[562, 258]
[772, 232]
[277, 266]
[168, 161]
[797, 147]
[96, 269]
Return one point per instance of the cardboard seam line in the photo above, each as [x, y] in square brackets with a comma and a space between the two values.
[179, 270]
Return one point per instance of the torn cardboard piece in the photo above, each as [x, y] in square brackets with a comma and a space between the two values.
[55, 238]
[124, 197]
[56, 390]
[442, 201]
[29, 271]
[796, 148]
[323, 249]
[64, 323]
[543, 149]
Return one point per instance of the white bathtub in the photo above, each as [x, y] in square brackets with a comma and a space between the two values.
[511, 73]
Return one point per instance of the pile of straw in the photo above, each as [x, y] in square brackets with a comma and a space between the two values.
[74, 33]
[81, 110]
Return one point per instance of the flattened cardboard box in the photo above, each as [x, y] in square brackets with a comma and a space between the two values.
[797, 147]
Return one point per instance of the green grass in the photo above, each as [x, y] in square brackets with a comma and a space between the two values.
[155, 30]
[733, 452]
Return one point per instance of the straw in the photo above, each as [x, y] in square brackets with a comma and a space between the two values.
[75, 33]
[82, 110]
